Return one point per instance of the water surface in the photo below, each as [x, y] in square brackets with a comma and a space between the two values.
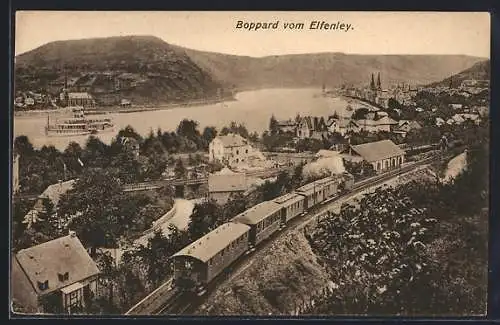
[253, 108]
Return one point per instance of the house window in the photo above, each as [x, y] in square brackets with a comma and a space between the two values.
[43, 285]
[63, 276]
[237, 152]
[246, 151]
[75, 299]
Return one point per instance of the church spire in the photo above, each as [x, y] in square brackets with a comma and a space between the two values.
[379, 84]
[372, 83]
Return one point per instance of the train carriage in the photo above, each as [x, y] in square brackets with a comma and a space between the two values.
[313, 193]
[292, 205]
[329, 187]
[201, 261]
[264, 219]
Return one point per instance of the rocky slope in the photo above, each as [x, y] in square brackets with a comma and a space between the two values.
[479, 71]
[280, 283]
[155, 70]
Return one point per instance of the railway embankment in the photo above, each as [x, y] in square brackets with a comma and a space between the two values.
[285, 276]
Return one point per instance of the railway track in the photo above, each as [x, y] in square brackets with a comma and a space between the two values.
[188, 303]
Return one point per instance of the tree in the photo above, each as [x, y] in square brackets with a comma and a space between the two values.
[206, 216]
[129, 132]
[179, 169]
[109, 273]
[297, 177]
[209, 133]
[254, 137]
[189, 129]
[157, 255]
[236, 129]
[125, 167]
[376, 262]
[271, 190]
[23, 146]
[20, 209]
[393, 104]
[96, 153]
[169, 141]
[273, 125]
[236, 204]
[97, 209]
[153, 166]
[71, 155]
[360, 113]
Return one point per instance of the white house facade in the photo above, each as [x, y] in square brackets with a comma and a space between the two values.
[231, 149]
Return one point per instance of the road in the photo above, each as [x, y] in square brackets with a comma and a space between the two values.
[177, 216]
[455, 167]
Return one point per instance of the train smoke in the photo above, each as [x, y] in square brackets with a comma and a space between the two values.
[324, 167]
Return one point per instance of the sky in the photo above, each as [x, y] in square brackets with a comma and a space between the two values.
[369, 33]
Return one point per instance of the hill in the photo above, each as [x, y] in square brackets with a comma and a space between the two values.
[145, 69]
[141, 68]
[333, 69]
[479, 71]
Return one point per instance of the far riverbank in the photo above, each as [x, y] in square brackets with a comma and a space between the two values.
[130, 109]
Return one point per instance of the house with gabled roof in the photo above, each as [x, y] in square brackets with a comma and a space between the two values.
[57, 276]
[223, 184]
[384, 123]
[231, 149]
[405, 126]
[52, 194]
[342, 125]
[310, 127]
[382, 155]
[286, 126]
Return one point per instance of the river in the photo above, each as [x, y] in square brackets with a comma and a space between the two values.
[252, 108]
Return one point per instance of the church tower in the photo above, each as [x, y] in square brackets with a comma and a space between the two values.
[372, 83]
[379, 84]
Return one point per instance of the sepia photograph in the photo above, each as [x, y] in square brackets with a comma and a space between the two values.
[250, 163]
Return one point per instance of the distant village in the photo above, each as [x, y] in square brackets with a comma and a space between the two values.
[82, 90]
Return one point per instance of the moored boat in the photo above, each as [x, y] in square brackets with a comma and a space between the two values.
[78, 125]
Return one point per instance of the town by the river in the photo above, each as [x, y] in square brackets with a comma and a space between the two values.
[253, 108]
